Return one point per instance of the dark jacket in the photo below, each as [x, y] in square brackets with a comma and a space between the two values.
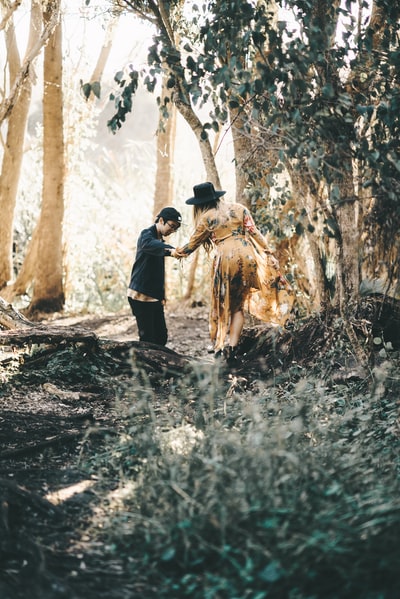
[148, 271]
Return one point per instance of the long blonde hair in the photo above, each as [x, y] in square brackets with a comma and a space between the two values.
[198, 210]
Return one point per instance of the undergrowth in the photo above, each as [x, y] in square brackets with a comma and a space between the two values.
[257, 490]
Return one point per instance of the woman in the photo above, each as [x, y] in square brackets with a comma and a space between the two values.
[239, 267]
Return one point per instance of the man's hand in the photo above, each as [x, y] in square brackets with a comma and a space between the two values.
[177, 253]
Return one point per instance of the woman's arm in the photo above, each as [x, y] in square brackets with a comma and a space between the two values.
[200, 235]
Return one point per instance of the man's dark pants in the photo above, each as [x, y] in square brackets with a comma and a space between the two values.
[150, 321]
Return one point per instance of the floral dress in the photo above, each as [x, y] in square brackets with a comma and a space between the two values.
[240, 275]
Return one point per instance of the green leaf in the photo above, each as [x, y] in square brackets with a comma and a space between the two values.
[96, 88]
[118, 76]
[168, 554]
[270, 523]
[328, 91]
[272, 573]
[86, 89]
[191, 64]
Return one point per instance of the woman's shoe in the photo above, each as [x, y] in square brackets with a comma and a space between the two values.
[218, 355]
[231, 356]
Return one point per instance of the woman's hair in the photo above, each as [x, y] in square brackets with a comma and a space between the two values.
[198, 210]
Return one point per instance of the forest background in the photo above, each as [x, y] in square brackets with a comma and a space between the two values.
[292, 109]
[107, 180]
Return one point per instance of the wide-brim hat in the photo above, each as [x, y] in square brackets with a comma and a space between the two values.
[204, 193]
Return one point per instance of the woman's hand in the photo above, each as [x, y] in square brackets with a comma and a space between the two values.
[274, 261]
[178, 253]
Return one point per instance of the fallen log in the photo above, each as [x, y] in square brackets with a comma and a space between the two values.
[147, 355]
[130, 355]
[10, 318]
[21, 332]
[39, 335]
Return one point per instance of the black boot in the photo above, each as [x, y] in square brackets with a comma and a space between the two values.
[231, 356]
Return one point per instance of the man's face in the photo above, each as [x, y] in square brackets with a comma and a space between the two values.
[168, 227]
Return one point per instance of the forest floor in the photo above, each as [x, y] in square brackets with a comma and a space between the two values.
[50, 427]
[47, 498]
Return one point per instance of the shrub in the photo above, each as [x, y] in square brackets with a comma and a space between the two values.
[279, 494]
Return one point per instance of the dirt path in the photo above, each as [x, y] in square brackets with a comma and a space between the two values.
[187, 327]
[47, 498]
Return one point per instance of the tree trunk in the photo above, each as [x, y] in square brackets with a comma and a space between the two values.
[242, 145]
[104, 54]
[348, 262]
[48, 294]
[166, 134]
[196, 126]
[26, 273]
[191, 277]
[310, 198]
[7, 105]
[13, 149]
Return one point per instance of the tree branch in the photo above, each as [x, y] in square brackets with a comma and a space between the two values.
[24, 71]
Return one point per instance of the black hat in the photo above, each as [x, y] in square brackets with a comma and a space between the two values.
[204, 193]
[170, 213]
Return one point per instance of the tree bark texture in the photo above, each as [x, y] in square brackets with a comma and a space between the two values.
[25, 70]
[166, 134]
[104, 53]
[348, 262]
[48, 294]
[13, 149]
[242, 152]
[196, 126]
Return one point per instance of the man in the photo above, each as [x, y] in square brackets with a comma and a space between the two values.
[146, 292]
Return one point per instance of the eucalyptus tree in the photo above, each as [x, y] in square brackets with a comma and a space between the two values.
[42, 269]
[14, 109]
[166, 136]
[322, 91]
[334, 132]
[165, 65]
[48, 287]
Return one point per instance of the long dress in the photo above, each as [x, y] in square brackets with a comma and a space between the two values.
[241, 276]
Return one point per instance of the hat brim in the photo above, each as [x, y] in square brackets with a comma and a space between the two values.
[205, 200]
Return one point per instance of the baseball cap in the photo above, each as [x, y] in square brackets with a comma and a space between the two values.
[170, 213]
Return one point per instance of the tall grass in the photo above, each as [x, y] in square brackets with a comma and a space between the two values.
[267, 491]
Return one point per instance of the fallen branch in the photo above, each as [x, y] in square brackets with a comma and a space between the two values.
[40, 335]
[10, 318]
[21, 332]
[57, 440]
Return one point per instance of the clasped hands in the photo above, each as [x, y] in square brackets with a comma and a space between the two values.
[178, 253]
